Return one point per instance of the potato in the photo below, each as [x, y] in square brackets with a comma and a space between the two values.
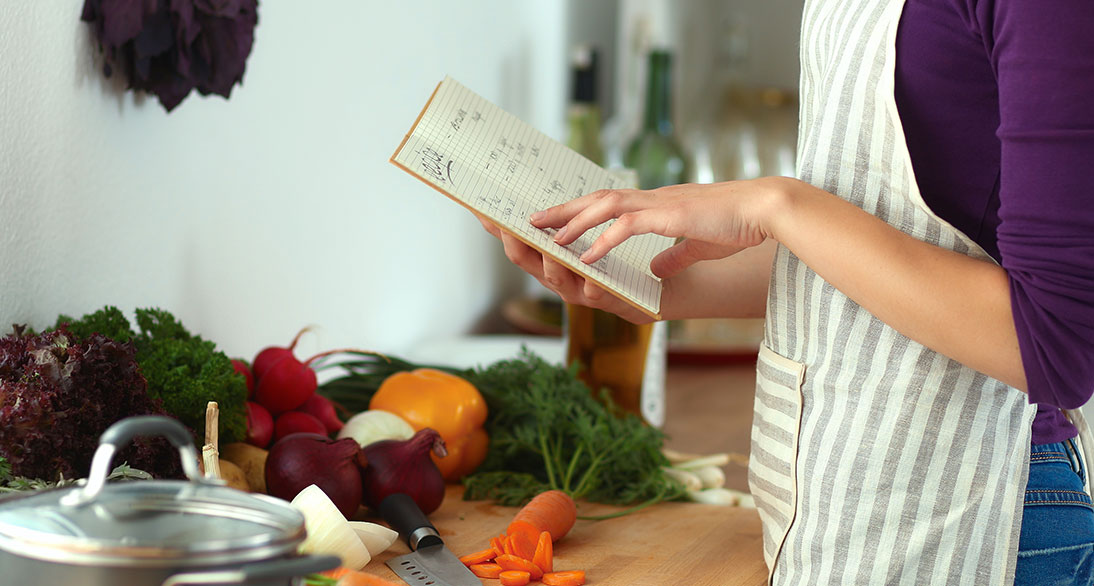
[234, 476]
[230, 474]
[250, 459]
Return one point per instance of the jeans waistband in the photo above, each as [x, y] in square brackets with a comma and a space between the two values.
[1065, 451]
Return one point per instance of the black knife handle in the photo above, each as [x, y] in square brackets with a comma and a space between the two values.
[404, 516]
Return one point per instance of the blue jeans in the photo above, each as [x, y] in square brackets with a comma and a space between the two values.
[1056, 546]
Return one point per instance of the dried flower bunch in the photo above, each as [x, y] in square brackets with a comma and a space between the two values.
[169, 47]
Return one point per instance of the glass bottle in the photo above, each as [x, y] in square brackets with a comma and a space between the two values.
[626, 359]
[656, 153]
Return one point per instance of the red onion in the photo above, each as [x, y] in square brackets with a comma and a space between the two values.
[300, 459]
[404, 466]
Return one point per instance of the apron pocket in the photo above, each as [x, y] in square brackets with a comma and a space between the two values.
[776, 419]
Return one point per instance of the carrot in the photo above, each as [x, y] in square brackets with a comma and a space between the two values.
[553, 511]
[478, 557]
[567, 578]
[485, 570]
[514, 578]
[544, 553]
[498, 545]
[521, 545]
[512, 562]
[348, 577]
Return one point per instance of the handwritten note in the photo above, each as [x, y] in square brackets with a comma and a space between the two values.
[492, 162]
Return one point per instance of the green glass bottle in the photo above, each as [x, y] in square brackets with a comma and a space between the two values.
[655, 153]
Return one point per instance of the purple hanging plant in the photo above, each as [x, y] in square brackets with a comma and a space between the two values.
[170, 47]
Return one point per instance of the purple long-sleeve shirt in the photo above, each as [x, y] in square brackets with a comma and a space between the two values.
[997, 102]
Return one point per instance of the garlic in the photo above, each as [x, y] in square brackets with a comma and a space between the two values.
[376, 538]
[375, 425]
[328, 532]
[710, 476]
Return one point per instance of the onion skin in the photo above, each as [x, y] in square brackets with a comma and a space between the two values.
[301, 459]
[404, 466]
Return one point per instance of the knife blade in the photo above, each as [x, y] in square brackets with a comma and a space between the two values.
[429, 559]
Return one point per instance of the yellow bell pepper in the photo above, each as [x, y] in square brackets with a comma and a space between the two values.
[451, 405]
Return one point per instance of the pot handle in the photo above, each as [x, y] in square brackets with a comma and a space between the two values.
[277, 568]
[121, 433]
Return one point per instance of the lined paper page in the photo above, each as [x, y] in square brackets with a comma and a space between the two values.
[492, 162]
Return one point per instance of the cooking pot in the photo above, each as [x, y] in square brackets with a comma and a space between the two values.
[151, 532]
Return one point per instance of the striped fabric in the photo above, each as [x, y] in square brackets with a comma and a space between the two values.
[904, 467]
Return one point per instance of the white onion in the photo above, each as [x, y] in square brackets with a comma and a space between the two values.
[376, 425]
[328, 531]
[376, 538]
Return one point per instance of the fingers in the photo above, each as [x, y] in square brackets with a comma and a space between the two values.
[682, 255]
[487, 225]
[626, 225]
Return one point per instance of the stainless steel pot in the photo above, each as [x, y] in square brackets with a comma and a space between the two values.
[151, 532]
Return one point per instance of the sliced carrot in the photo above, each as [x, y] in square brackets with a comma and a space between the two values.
[478, 557]
[498, 545]
[553, 511]
[512, 562]
[485, 570]
[514, 578]
[566, 578]
[521, 546]
[543, 557]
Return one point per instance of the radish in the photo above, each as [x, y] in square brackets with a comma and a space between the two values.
[260, 425]
[322, 409]
[267, 357]
[242, 368]
[291, 422]
[286, 385]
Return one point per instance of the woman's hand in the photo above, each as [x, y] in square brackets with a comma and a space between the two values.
[570, 286]
[713, 221]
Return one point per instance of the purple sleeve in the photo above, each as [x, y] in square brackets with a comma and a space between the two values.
[1042, 52]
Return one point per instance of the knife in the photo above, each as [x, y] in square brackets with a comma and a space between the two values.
[429, 561]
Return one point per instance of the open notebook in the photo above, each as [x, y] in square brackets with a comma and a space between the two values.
[490, 161]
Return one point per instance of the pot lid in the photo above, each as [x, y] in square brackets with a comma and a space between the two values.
[149, 522]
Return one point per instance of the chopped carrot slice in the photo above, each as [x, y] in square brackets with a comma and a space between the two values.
[485, 570]
[544, 552]
[566, 578]
[512, 562]
[514, 578]
[498, 545]
[478, 557]
[522, 546]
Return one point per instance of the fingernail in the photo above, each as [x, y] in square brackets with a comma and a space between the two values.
[560, 234]
[537, 216]
[585, 257]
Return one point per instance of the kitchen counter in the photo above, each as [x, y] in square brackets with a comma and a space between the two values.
[709, 409]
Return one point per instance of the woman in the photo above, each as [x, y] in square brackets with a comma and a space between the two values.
[928, 286]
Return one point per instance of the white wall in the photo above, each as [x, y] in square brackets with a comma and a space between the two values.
[252, 217]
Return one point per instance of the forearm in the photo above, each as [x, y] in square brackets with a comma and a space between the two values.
[732, 287]
[954, 304]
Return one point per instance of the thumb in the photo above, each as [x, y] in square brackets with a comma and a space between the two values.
[685, 253]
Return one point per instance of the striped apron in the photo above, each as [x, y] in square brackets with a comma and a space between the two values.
[874, 460]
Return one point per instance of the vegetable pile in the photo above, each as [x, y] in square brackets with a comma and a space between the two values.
[547, 431]
[59, 390]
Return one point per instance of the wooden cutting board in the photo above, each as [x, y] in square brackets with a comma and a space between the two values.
[667, 544]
